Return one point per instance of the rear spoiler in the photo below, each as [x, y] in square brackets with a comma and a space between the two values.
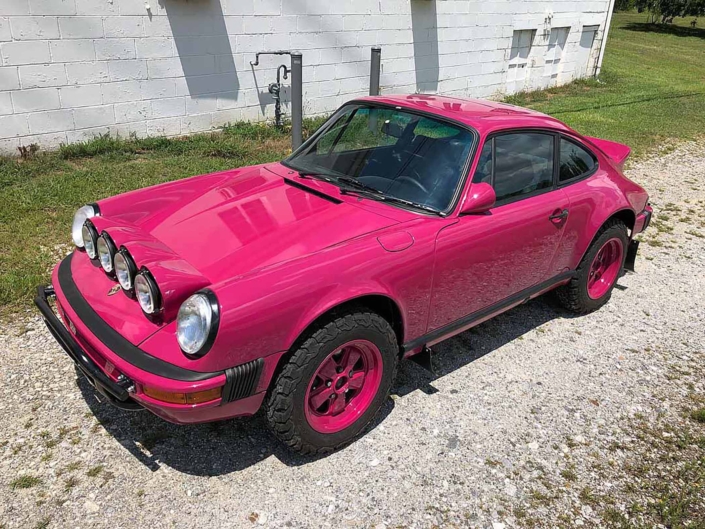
[617, 152]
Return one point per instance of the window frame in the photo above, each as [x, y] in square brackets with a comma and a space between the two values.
[527, 130]
[580, 177]
[464, 171]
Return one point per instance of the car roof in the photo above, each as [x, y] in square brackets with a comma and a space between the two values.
[482, 115]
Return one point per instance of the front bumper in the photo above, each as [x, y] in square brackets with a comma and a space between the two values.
[119, 370]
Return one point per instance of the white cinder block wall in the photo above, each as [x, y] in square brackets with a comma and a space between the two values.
[73, 69]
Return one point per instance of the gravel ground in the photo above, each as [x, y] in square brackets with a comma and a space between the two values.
[535, 419]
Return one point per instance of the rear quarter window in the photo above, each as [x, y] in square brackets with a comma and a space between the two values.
[575, 161]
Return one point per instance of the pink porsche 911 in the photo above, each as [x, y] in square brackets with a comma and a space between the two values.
[298, 286]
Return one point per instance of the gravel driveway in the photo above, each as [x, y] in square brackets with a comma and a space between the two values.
[535, 418]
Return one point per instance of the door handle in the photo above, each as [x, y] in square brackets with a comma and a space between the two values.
[559, 217]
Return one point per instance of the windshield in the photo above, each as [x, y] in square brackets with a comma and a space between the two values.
[401, 155]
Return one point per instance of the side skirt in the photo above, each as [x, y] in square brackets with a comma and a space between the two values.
[477, 317]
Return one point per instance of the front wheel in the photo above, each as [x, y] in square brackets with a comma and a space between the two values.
[334, 383]
[598, 271]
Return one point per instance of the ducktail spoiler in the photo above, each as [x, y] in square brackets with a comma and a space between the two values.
[617, 152]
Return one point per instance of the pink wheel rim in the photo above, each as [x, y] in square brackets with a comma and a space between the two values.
[344, 386]
[605, 268]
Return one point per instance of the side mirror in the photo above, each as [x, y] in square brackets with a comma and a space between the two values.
[480, 199]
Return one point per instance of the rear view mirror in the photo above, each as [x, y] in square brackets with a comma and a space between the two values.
[480, 199]
[392, 129]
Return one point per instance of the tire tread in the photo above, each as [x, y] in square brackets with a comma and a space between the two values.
[280, 406]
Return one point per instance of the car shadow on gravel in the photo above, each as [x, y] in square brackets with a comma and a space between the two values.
[229, 446]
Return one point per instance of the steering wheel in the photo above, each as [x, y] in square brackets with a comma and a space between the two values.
[413, 181]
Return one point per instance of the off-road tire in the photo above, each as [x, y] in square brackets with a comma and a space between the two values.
[574, 296]
[285, 407]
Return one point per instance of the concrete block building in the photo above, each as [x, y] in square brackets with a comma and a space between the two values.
[73, 69]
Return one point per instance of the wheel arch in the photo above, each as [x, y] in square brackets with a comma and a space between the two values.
[625, 215]
[381, 304]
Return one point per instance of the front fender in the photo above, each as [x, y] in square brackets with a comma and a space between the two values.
[264, 312]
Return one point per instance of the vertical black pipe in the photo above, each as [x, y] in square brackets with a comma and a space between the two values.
[375, 65]
[296, 100]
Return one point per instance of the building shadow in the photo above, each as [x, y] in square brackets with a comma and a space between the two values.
[424, 28]
[666, 29]
[203, 48]
[229, 446]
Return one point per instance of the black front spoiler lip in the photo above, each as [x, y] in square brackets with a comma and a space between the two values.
[112, 390]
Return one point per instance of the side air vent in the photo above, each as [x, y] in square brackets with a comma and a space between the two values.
[241, 381]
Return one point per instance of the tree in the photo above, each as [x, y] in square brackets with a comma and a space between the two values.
[665, 11]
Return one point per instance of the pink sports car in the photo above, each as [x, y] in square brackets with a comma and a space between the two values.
[298, 286]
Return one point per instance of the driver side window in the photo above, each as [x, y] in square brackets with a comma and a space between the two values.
[517, 164]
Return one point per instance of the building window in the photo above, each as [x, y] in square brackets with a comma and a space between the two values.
[584, 62]
[554, 53]
[518, 68]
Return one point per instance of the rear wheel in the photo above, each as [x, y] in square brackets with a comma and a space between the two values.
[598, 271]
[334, 383]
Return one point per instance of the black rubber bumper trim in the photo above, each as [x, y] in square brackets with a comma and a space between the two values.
[114, 340]
[74, 350]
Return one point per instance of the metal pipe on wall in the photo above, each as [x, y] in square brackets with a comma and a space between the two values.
[375, 66]
[296, 100]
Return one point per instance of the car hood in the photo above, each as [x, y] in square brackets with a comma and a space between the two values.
[231, 223]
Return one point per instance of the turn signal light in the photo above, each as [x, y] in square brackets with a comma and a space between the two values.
[183, 398]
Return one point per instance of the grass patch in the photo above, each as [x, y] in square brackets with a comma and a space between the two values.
[26, 481]
[95, 471]
[43, 522]
[70, 483]
[650, 92]
[698, 415]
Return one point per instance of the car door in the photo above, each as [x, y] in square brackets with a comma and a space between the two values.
[483, 259]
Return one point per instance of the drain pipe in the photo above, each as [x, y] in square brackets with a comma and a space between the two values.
[375, 66]
[296, 92]
[297, 114]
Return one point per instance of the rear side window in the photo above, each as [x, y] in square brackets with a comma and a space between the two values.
[523, 164]
[575, 161]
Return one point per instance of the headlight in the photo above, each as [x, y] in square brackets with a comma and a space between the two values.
[125, 269]
[106, 252]
[197, 323]
[147, 292]
[90, 239]
[82, 215]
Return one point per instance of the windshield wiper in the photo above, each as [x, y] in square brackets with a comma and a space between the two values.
[317, 176]
[376, 194]
[359, 185]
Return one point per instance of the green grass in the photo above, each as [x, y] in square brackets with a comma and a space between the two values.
[25, 481]
[651, 89]
[698, 415]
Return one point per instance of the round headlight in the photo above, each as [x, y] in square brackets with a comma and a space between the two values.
[90, 239]
[147, 292]
[125, 269]
[106, 252]
[82, 215]
[197, 323]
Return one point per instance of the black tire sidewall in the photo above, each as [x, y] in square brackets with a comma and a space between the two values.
[389, 354]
